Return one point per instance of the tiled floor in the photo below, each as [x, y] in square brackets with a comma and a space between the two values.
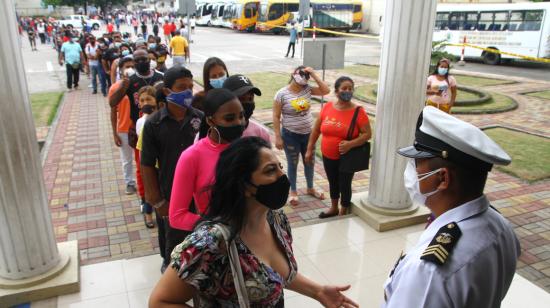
[337, 252]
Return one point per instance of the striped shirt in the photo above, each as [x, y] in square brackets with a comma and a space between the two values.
[295, 109]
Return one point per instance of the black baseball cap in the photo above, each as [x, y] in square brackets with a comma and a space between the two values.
[240, 84]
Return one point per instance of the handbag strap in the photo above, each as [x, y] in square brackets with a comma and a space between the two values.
[238, 279]
[352, 124]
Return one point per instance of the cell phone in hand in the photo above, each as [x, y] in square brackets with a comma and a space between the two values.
[443, 87]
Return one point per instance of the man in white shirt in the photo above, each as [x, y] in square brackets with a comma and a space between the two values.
[467, 256]
[93, 62]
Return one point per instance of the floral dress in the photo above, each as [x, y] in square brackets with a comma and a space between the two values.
[202, 261]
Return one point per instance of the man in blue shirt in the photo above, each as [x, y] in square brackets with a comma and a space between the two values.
[71, 54]
[293, 36]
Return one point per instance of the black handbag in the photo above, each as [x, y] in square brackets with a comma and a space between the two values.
[356, 159]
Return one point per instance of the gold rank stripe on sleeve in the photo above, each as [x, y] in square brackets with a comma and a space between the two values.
[442, 245]
[437, 251]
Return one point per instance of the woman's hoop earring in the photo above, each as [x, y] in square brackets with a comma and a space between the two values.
[217, 132]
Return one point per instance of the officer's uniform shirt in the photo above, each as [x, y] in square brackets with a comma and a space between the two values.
[476, 273]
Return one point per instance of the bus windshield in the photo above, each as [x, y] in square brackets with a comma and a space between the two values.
[263, 13]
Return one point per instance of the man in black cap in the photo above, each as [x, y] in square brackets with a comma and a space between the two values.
[166, 134]
[243, 88]
[467, 256]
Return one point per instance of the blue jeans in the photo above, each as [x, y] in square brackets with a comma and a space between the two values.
[294, 146]
[94, 70]
[102, 79]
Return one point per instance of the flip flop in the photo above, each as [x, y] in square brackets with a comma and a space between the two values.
[317, 195]
[324, 215]
[294, 201]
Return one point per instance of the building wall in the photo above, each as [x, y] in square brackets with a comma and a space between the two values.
[34, 8]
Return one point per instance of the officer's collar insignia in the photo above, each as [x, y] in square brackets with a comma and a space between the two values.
[442, 244]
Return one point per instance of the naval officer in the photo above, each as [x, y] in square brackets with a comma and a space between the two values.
[467, 256]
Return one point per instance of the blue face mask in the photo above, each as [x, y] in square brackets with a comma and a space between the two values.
[118, 44]
[125, 52]
[442, 71]
[182, 99]
[152, 46]
[345, 96]
[217, 83]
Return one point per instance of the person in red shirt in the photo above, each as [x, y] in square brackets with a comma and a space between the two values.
[49, 30]
[333, 124]
[110, 28]
[172, 27]
[167, 28]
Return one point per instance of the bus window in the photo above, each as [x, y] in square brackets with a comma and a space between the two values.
[442, 21]
[457, 21]
[275, 11]
[501, 21]
[207, 10]
[250, 10]
[485, 21]
[516, 21]
[292, 7]
[263, 12]
[471, 21]
[533, 20]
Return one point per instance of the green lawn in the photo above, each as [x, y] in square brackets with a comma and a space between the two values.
[471, 81]
[369, 71]
[44, 107]
[497, 102]
[269, 83]
[366, 91]
[540, 94]
[530, 154]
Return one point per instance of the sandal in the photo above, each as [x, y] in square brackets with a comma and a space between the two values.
[148, 224]
[324, 215]
[294, 201]
[318, 195]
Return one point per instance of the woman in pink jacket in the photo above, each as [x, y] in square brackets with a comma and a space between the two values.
[195, 169]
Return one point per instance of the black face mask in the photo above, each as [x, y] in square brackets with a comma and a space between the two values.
[273, 195]
[248, 109]
[142, 67]
[230, 133]
[148, 109]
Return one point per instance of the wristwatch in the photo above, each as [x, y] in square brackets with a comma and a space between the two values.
[159, 204]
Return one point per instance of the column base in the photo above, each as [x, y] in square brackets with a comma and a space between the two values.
[62, 279]
[385, 219]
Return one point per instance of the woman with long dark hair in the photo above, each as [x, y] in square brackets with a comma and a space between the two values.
[250, 189]
[195, 169]
[438, 86]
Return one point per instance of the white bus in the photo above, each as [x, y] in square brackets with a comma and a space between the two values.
[218, 9]
[520, 28]
[204, 12]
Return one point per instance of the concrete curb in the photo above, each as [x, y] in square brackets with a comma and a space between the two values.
[52, 130]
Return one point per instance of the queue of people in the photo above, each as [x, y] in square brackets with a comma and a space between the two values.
[209, 174]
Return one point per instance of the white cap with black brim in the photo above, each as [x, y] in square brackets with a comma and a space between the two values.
[439, 134]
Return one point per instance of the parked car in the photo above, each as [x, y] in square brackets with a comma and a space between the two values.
[75, 21]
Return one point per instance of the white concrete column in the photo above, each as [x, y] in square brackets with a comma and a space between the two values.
[27, 242]
[405, 59]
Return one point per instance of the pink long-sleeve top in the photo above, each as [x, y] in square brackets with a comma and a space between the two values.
[195, 171]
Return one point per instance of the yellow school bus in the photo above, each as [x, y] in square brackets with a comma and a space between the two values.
[357, 14]
[276, 13]
[245, 15]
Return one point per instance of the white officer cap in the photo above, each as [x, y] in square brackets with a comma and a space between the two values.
[439, 134]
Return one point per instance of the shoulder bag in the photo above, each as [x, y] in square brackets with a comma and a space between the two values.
[357, 158]
[238, 279]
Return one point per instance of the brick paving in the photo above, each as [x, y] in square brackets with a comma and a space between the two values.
[85, 185]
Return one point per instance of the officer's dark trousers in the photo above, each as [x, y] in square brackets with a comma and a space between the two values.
[290, 45]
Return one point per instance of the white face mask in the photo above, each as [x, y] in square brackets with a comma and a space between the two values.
[129, 72]
[300, 80]
[412, 182]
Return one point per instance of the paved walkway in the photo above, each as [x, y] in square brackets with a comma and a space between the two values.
[86, 189]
